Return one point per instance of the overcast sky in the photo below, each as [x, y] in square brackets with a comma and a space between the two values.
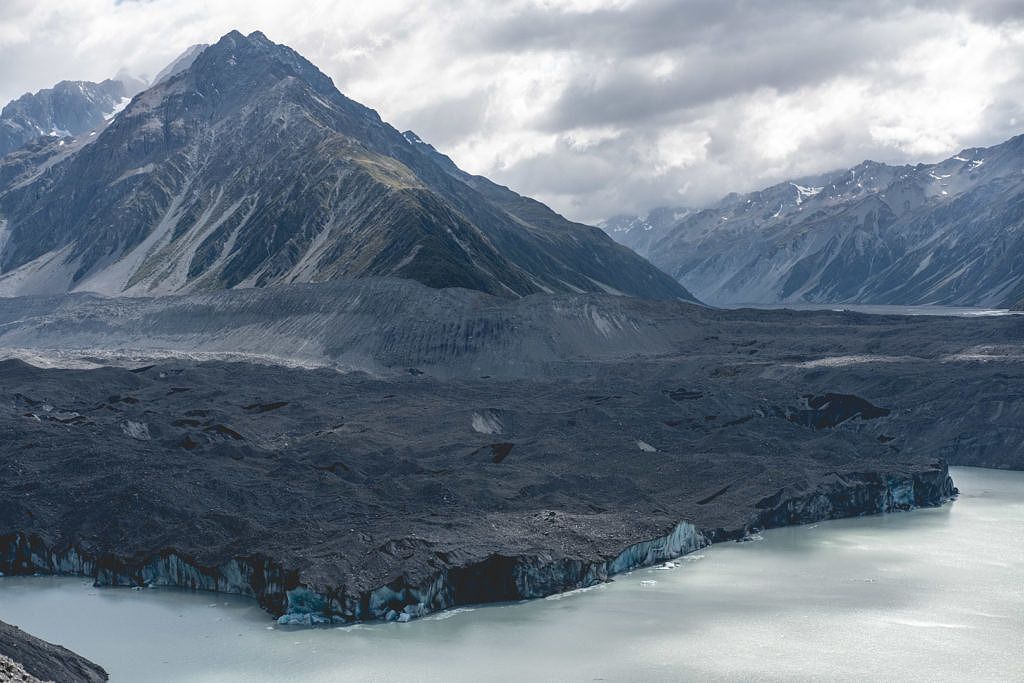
[600, 107]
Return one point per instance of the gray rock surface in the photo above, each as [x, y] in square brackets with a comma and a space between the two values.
[25, 658]
[947, 233]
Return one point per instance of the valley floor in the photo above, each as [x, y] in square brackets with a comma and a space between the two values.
[360, 461]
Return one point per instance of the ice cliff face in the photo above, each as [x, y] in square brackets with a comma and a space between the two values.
[498, 578]
[869, 494]
[947, 233]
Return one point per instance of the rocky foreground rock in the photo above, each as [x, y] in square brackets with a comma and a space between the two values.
[27, 659]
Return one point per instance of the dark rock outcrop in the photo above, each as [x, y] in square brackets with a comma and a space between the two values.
[832, 410]
[21, 654]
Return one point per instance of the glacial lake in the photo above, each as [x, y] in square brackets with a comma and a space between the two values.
[933, 594]
[876, 309]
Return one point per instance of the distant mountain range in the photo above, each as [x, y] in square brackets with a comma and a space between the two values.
[948, 233]
[244, 166]
[68, 108]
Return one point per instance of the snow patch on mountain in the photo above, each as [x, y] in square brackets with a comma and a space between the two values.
[804, 193]
[117, 109]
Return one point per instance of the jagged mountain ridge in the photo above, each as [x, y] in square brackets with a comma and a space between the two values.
[947, 233]
[250, 168]
[182, 62]
[641, 233]
[68, 108]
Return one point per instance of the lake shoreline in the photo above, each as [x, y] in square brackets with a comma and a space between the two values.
[645, 586]
[871, 493]
[881, 309]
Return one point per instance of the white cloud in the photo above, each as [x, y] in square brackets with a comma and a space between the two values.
[600, 107]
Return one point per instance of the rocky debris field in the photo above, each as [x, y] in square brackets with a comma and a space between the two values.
[361, 461]
[950, 385]
[262, 479]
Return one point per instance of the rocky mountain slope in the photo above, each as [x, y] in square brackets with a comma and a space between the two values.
[249, 168]
[948, 233]
[67, 109]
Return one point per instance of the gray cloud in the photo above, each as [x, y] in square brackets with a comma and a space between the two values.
[446, 121]
[657, 25]
[602, 106]
[708, 72]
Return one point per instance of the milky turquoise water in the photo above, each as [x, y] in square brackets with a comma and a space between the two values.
[888, 309]
[935, 594]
